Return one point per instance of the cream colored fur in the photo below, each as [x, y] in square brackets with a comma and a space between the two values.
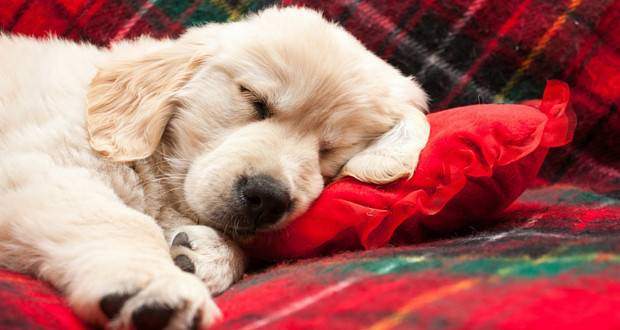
[108, 154]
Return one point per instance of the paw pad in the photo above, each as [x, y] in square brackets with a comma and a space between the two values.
[181, 239]
[185, 263]
[112, 304]
[152, 317]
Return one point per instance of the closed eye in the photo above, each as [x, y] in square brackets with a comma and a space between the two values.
[261, 109]
[258, 103]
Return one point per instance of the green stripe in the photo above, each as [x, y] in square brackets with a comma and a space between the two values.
[521, 266]
[566, 195]
[174, 8]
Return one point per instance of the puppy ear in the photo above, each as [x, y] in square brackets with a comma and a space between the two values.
[393, 155]
[130, 101]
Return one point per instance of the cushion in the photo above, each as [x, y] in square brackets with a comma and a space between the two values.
[478, 160]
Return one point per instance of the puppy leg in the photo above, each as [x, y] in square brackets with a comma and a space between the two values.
[112, 262]
[394, 155]
[203, 251]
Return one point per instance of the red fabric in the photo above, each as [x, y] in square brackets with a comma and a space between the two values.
[479, 159]
[26, 303]
[549, 261]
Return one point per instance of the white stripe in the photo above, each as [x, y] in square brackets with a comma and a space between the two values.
[305, 302]
[301, 304]
[429, 59]
[436, 61]
[456, 28]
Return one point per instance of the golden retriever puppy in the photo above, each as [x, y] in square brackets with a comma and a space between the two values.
[122, 169]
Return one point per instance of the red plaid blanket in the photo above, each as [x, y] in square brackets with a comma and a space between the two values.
[552, 262]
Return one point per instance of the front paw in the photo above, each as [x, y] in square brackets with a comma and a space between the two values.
[175, 301]
[208, 254]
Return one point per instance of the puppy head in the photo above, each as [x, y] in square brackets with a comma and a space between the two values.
[253, 117]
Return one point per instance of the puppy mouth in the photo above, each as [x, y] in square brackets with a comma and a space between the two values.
[238, 231]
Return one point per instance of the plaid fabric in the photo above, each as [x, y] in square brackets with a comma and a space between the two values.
[26, 303]
[104, 21]
[554, 259]
[483, 51]
[554, 265]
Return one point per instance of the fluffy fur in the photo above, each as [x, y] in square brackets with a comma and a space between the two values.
[108, 155]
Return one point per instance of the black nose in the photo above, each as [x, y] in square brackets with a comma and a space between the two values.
[263, 199]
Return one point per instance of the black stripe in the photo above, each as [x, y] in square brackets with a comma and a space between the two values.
[60, 9]
[77, 17]
[411, 10]
[348, 11]
[19, 13]
[583, 143]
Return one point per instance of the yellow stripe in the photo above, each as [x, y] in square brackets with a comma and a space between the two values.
[421, 300]
[540, 45]
[233, 12]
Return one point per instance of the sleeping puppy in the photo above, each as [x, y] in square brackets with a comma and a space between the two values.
[122, 168]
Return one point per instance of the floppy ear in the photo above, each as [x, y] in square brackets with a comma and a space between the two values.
[395, 154]
[130, 101]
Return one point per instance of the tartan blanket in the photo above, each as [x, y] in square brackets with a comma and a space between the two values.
[551, 260]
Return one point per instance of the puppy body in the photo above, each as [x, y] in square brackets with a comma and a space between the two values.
[103, 148]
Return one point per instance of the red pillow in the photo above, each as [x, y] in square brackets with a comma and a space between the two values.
[478, 160]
